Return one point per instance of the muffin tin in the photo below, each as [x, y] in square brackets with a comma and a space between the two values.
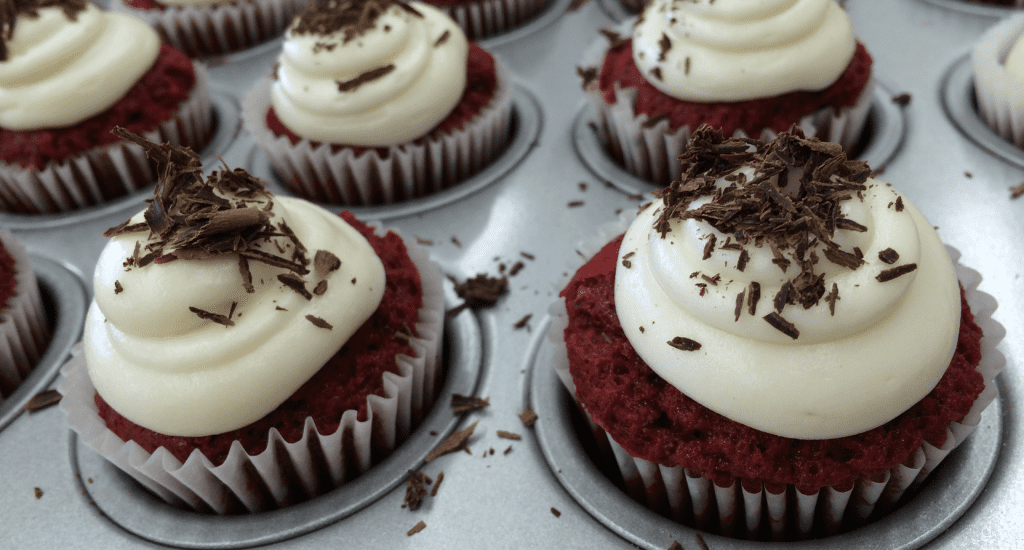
[550, 190]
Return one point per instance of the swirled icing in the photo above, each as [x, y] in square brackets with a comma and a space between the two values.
[380, 86]
[168, 369]
[731, 50]
[60, 71]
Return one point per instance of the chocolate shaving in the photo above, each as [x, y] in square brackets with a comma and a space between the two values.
[1017, 190]
[318, 322]
[665, 45]
[902, 99]
[480, 291]
[368, 76]
[522, 322]
[709, 246]
[656, 73]
[844, 259]
[454, 442]
[888, 256]
[415, 489]
[832, 298]
[295, 283]
[555, 512]
[741, 263]
[700, 540]
[686, 67]
[118, 288]
[782, 325]
[320, 288]
[516, 268]
[440, 478]
[848, 224]
[589, 75]
[899, 271]
[421, 525]
[325, 262]
[753, 297]
[528, 417]
[899, 204]
[684, 344]
[41, 401]
[509, 435]
[352, 17]
[676, 546]
[739, 305]
[215, 317]
[462, 403]
[442, 39]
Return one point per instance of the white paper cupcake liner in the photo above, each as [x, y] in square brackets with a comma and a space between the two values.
[218, 28]
[24, 331]
[106, 172]
[414, 169]
[737, 509]
[651, 151]
[284, 473]
[1000, 95]
[483, 18]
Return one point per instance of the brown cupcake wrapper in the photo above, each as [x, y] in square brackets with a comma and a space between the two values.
[651, 151]
[408, 170]
[999, 94]
[284, 473]
[106, 172]
[484, 18]
[218, 28]
[739, 508]
[24, 331]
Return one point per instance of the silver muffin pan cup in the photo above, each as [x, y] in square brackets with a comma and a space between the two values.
[960, 104]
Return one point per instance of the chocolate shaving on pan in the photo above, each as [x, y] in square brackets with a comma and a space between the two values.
[888, 256]
[507, 450]
[421, 525]
[782, 325]
[676, 546]
[709, 246]
[1017, 190]
[614, 40]
[424, 242]
[516, 268]
[215, 317]
[41, 401]
[318, 322]
[527, 255]
[832, 298]
[442, 39]
[480, 291]
[700, 542]
[684, 344]
[440, 478]
[295, 283]
[456, 241]
[368, 76]
[902, 99]
[892, 273]
[589, 75]
[325, 262]
[37, 492]
[462, 403]
[555, 512]
[415, 490]
[118, 288]
[528, 417]
[753, 297]
[575, 204]
[522, 322]
[454, 442]
[509, 435]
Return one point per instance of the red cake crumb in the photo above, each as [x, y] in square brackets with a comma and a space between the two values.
[342, 384]
[151, 101]
[8, 282]
[481, 83]
[653, 420]
[777, 113]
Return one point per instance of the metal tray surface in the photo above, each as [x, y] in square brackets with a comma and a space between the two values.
[534, 203]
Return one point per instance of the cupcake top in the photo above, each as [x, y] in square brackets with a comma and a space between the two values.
[63, 61]
[368, 72]
[782, 287]
[732, 50]
[219, 300]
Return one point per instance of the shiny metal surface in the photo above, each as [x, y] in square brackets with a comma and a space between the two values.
[506, 500]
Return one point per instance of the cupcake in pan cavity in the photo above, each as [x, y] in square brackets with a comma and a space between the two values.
[750, 69]
[998, 60]
[213, 27]
[778, 346]
[484, 18]
[24, 331]
[70, 73]
[378, 101]
[245, 351]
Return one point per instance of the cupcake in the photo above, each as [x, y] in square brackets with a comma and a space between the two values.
[777, 347]
[376, 102]
[749, 70]
[998, 60]
[69, 73]
[244, 351]
[24, 331]
[484, 18]
[213, 27]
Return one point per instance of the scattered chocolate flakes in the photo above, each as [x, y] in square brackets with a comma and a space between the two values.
[899, 204]
[118, 288]
[527, 255]
[509, 435]
[454, 442]
[739, 304]
[741, 263]
[528, 417]
[424, 242]
[1017, 190]
[41, 401]
[522, 322]
[417, 528]
[892, 273]
[782, 325]
[295, 283]
[516, 268]
[848, 224]
[641, 329]
[38, 492]
[684, 344]
[627, 264]
[902, 99]
[442, 39]
[709, 246]
[713, 281]
[968, 175]
[656, 73]
[215, 317]
[664, 45]
[575, 204]
[555, 512]
[888, 256]
[320, 288]
[676, 546]
[415, 490]
[368, 76]
[686, 67]
[583, 186]
[832, 298]
[440, 478]
[507, 450]
[462, 403]
[753, 297]
[841, 258]
[480, 291]
[318, 322]
[325, 262]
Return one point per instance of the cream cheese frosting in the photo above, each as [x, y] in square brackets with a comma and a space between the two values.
[1015, 60]
[62, 70]
[378, 84]
[182, 348]
[854, 362]
[736, 50]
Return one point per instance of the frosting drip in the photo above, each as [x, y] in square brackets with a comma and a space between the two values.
[388, 81]
[731, 50]
[61, 70]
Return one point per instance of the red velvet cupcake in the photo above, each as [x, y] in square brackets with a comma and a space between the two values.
[721, 408]
[56, 150]
[750, 72]
[307, 352]
[24, 331]
[377, 131]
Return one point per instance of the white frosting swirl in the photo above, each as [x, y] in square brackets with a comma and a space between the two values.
[426, 59]
[60, 72]
[884, 349]
[1015, 60]
[163, 367]
[736, 50]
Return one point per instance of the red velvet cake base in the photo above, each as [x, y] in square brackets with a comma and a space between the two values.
[355, 372]
[152, 100]
[654, 421]
[8, 282]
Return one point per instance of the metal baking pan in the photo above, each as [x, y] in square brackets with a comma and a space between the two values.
[547, 193]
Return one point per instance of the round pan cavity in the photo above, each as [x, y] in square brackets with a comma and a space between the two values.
[960, 105]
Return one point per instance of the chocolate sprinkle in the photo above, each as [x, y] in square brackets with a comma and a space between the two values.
[684, 344]
[782, 325]
[118, 288]
[509, 435]
[555, 512]
[899, 204]
[832, 298]
[665, 44]
[442, 39]
[899, 271]
[415, 490]
[739, 304]
[522, 322]
[462, 403]
[421, 525]
[454, 442]
[325, 262]
[215, 317]
[753, 297]
[368, 76]
[295, 283]
[902, 99]
[42, 400]
[709, 246]
[318, 322]
[888, 256]
[528, 417]
[440, 478]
